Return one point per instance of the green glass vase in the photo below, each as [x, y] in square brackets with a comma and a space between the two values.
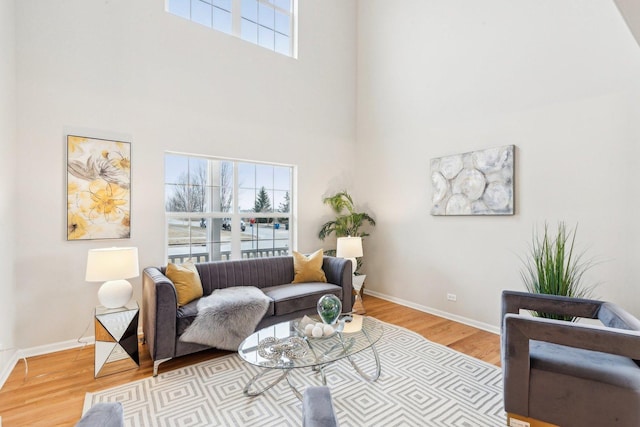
[329, 308]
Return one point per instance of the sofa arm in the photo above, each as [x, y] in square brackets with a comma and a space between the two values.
[160, 311]
[338, 271]
[513, 302]
[519, 330]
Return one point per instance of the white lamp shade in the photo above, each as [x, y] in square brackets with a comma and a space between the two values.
[112, 264]
[349, 247]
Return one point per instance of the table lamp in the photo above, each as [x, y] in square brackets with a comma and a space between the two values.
[351, 248]
[113, 266]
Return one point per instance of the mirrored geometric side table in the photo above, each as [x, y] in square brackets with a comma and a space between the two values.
[116, 346]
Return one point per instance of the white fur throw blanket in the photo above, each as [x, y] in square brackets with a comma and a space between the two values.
[227, 316]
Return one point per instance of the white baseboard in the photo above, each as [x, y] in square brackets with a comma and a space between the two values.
[8, 367]
[45, 349]
[40, 350]
[56, 346]
[480, 325]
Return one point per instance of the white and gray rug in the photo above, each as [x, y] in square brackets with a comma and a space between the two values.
[422, 384]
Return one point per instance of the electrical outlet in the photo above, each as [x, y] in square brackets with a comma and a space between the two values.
[452, 297]
[518, 423]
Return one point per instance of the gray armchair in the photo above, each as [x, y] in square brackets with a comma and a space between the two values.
[568, 373]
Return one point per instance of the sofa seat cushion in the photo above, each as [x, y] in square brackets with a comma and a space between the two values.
[187, 314]
[292, 297]
[589, 365]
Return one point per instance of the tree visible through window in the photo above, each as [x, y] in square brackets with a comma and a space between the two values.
[223, 209]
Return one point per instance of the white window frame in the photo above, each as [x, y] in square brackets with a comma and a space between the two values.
[236, 22]
[235, 215]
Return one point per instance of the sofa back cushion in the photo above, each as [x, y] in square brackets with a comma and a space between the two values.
[258, 272]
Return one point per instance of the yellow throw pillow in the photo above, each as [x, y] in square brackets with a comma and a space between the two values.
[308, 269]
[186, 279]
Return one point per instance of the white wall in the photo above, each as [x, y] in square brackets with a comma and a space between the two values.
[8, 152]
[129, 69]
[560, 80]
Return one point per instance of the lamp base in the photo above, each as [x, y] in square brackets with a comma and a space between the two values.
[115, 293]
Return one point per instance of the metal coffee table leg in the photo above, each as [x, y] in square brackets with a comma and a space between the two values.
[248, 392]
[363, 374]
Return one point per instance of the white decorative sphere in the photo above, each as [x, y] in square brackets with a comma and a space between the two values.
[308, 329]
[316, 332]
[327, 330]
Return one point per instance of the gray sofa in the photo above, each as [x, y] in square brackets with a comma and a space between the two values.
[570, 374]
[163, 322]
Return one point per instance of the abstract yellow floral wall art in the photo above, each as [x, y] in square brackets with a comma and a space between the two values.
[98, 188]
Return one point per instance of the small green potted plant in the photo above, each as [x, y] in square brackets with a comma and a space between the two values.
[554, 267]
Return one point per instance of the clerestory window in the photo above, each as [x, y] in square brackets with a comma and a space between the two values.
[221, 209]
[267, 23]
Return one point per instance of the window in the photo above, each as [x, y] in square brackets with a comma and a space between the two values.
[267, 23]
[220, 209]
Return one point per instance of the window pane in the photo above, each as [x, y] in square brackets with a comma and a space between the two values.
[179, 198]
[222, 180]
[282, 44]
[197, 171]
[265, 238]
[282, 23]
[281, 201]
[249, 31]
[180, 8]
[223, 4]
[219, 199]
[175, 169]
[266, 16]
[176, 198]
[250, 10]
[264, 176]
[265, 37]
[246, 199]
[220, 252]
[283, 4]
[247, 175]
[201, 12]
[281, 178]
[179, 235]
[222, 20]
[263, 201]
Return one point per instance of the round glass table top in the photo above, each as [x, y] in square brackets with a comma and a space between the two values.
[285, 345]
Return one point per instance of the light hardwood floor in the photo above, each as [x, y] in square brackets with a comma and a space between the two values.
[52, 391]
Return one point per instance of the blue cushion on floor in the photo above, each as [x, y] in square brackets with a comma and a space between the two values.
[103, 415]
[317, 408]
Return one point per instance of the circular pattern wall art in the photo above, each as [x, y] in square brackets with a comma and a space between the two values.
[476, 183]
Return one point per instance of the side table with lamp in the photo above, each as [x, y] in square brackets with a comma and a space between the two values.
[351, 248]
[116, 319]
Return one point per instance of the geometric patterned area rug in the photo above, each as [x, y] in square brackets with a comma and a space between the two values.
[421, 384]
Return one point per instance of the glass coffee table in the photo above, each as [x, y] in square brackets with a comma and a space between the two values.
[285, 347]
